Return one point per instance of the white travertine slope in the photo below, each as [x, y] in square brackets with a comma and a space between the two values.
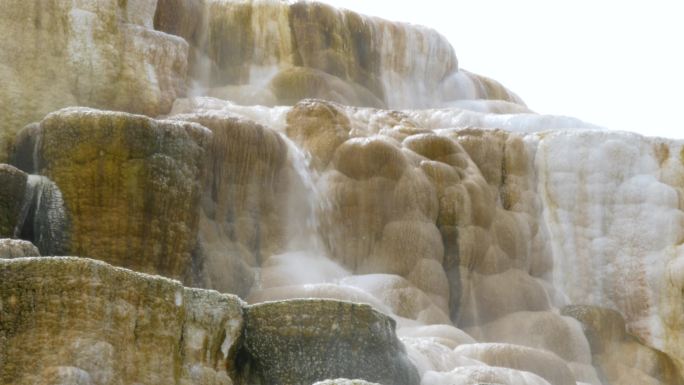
[613, 205]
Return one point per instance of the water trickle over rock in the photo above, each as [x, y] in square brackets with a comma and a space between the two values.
[502, 246]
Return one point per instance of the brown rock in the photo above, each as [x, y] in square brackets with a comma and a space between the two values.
[100, 54]
[243, 220]
[80, 321]
[131, 186]
[12, 192]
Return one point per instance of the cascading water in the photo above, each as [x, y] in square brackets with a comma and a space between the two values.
[507, 245]
[43, 218]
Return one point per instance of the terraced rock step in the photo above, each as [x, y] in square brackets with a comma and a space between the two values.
[73, 320]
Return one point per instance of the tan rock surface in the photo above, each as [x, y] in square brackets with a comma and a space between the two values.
[276, 53]
[80, 321]
[242, 219]
[131, 185]
[620, 356]
[102, 54]
[17, 248]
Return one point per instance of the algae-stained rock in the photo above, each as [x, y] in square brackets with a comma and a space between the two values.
[12, 190]
[131, 185]
[102, 54]
[243, 216]
[275, 53]
[319, 127]
[16, 248]
[78, 321]
[304, 341]
[297, 83]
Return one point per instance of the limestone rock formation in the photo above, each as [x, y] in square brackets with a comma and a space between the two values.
[241, 220]
[80, 321]
[44, 219]
[31, 208]
[131, 185]
[629, 221]
[12, 188]
[495, 238]
[540, 362]
[476, 375]
[619, 356]
[17, 248]
[289, 342]
[276, 53]
[102, 54]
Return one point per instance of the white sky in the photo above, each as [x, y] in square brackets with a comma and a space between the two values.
[619, 64]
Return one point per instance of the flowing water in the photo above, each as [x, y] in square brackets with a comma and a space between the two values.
[351, 158]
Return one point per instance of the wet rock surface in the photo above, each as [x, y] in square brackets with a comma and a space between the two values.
[12, 189]
[130, 186]
[304, 341]
[54, 312]
[497, 239]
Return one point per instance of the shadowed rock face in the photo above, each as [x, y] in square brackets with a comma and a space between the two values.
[32, 208]
[289, 343]
[80, 321]
[12, 188]
[242, 218]
[130, 185]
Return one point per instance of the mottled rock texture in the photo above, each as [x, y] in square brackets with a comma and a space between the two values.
[450, 212]
[17, 248]
[12, 190]
[482, 216]
[80, 321]
[619, 356]
[44, 219]
[103, 54]
[277, 53]
[290, 342]
[131, 185]
[242, 219]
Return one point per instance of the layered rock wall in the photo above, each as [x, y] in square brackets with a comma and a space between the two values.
[471, 225]
[103, 54]
[54, 311]
[79, 321]
[130, 186]
[273, 53]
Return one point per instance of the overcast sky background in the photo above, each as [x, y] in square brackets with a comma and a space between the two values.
[618, 64]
